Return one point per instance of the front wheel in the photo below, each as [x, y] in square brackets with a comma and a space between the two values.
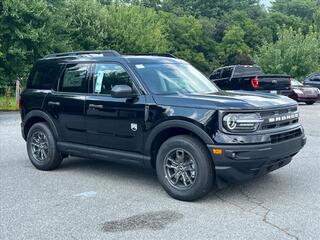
[310, 102]
[184, 168]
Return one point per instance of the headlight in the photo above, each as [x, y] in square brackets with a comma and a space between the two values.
[241, 122]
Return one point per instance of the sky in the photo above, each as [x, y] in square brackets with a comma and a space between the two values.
[267, 3]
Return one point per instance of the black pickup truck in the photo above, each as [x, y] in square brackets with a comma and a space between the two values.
[250, 78]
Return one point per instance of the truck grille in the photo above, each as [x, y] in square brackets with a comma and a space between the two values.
[285, 136]
[279, 118]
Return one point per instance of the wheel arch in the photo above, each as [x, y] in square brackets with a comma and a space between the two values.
[36, 116]
[169, 129]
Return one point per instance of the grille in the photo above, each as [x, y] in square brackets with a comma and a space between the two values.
[279, 118]
[285, 136]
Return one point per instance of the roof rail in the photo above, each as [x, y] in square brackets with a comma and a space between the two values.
[111, 53]
[152, 54]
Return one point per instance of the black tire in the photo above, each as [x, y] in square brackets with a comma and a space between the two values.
[310, 102]
[203, 176]
[52, 157]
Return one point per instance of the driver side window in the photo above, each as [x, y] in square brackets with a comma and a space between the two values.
[107, 75]
[315, 79]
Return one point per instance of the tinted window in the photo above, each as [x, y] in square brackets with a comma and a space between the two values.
[106, 76]
[215, 75]
[43, 77]
[74, 78]
[226, 73]
[315, 79]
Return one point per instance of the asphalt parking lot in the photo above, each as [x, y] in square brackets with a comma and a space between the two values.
[87, 199]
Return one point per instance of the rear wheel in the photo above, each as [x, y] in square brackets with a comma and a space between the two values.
[184, 168]
[310, 102]
[41, 147]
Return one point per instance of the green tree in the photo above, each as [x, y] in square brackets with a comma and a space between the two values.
[28, 30]
[135, 29]
[189, 39]
[211, 9]
[300, 8]
[294, 53]
[86, 23]
[233, 48]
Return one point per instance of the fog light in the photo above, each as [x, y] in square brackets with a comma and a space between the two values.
[217, 151]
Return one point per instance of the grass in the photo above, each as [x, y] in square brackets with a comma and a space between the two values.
[8, 104]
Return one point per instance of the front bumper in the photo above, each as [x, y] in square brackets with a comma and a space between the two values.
[307, 98]
[242, 162]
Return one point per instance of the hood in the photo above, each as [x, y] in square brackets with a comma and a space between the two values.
[305, 88]
[225, 100]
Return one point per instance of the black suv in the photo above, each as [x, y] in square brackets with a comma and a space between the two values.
[156, 111]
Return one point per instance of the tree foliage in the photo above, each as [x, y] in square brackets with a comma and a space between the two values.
[294, 53]
[207, 33]
[28, 30]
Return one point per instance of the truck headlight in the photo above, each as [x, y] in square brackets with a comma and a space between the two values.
[241, 122]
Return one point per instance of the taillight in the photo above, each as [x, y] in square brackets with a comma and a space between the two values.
[20, 104]
[255, 82]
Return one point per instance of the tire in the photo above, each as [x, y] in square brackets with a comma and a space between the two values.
[310, 102]
[199, 174]
[42, 148]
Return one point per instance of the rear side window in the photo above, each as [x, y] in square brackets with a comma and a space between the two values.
[44, 76]
[226, 73]
[215, 75]
[315, 79]
[74, 78]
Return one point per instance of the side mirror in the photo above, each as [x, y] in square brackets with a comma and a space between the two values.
[122, 91]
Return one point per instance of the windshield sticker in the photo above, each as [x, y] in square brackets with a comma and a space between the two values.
[99, 79]
[139, 66]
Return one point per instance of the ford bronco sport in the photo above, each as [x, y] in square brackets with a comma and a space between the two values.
[156, 111]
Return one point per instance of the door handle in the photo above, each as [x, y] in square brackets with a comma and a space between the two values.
[99, 106]
[54, 103]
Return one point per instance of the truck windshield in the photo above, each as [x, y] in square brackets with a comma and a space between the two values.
[172, 78]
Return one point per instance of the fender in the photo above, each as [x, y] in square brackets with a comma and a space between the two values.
[176, 124]
[45, 116]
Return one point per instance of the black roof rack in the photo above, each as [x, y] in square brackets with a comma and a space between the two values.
[152, 54]
[106, 53]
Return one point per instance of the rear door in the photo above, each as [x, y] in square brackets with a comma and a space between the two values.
[65, 104]
[114, 123]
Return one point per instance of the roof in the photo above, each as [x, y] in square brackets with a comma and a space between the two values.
[98, 56]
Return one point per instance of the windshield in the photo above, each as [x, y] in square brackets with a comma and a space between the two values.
[296, 83]
[172, 78]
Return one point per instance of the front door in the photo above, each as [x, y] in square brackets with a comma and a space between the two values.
[113, 123]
